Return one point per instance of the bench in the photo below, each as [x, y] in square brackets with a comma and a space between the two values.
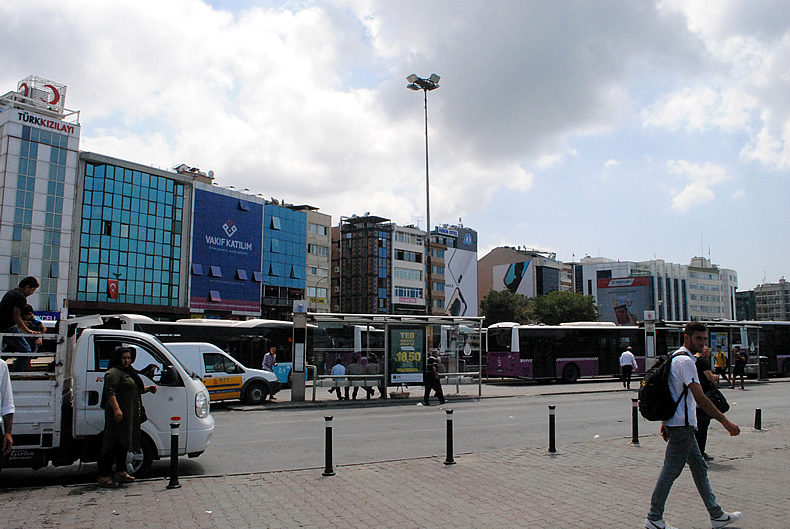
[347, 381]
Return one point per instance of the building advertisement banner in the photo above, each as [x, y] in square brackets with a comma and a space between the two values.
[226, 253]
[621, 300]
[407, 355]
[461, 275]
[515, 277]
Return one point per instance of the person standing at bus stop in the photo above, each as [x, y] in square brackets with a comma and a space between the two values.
[721, 364]
[741, 359]
[432, 379]
[627, 364]
[678, 432]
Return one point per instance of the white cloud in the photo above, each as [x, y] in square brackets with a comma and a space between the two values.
[699, 191]
[611, 163]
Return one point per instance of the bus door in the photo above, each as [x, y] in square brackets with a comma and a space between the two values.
[544, 356]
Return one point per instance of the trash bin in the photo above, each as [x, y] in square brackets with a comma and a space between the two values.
[763, 372]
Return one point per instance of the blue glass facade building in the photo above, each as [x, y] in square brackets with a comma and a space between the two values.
[284, 259]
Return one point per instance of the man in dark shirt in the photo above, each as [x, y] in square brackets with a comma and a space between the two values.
[11, 315]
[706, 380]
[432, 381]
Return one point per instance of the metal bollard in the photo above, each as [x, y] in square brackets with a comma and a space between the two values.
[174, 484]
[552, 446]
[758, 419]
[328, 470]
[635, 421]
[449, 460]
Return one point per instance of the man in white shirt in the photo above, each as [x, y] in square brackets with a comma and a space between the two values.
[6, 408]
[678, 431]
[627, 366]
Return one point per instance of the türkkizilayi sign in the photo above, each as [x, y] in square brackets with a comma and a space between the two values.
[407, 355]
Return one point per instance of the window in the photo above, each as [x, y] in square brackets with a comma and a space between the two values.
[213, 295]
[275, 223]
[241, 274]
[197, 269]
[317, 229]
[215, 271]
[315, 249]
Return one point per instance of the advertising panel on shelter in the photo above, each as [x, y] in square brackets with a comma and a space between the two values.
[407, 355]
[515, 277]
[624, 299]
[226, 253]
[461, 275]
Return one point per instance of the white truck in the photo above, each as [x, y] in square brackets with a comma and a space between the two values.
[58, 417]
[224, 377]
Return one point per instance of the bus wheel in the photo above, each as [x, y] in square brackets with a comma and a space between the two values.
[570, 373]
[256, 393]
[138, 463]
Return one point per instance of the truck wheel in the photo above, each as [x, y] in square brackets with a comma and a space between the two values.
[138, 464]
[256, 393]
[571, 373]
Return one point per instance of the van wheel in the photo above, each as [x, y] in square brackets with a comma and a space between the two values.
[256, 393]
[571, 373]
[138, 464]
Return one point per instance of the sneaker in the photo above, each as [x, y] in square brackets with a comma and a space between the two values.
[657, 524]
[706, 457]
[726, 519]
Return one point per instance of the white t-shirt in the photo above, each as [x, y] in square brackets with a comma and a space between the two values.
[6, 395]
[683, 373]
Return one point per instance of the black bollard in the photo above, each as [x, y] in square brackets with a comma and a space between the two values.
[635, 421]
[758, 419]
[449, 460]
[552, 446]
[174, 484]
[328, 470]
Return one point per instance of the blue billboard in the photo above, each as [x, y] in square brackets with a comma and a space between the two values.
[226, 253]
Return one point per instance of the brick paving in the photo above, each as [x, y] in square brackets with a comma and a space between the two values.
[599, 483]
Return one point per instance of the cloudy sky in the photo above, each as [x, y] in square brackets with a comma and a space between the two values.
[628, 130]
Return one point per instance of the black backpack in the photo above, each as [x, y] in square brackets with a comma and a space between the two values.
[655, 400]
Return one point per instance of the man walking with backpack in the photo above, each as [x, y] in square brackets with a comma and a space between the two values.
[678, 432]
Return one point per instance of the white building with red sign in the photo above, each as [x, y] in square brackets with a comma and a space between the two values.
[39, 142]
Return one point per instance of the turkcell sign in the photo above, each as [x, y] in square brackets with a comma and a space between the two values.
[226, 244]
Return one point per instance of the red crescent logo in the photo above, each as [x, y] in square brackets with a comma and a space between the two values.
[55, 93]
[23, 87]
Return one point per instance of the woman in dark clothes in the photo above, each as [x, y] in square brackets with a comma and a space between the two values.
[122, 416]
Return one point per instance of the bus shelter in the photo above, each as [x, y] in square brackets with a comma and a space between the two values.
[400, 344]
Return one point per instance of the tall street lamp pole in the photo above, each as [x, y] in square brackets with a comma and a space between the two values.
[426, 85]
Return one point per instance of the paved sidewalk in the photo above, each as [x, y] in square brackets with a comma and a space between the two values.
[595, 484]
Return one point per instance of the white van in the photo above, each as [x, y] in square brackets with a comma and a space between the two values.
[224, 377]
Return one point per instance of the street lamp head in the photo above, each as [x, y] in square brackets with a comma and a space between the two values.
[418, 83]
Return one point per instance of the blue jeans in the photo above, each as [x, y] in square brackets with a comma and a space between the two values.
[14, 344]
[681, 449]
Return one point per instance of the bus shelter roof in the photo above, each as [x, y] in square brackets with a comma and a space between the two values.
[362, 319]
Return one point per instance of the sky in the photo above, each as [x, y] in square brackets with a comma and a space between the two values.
[619, 129]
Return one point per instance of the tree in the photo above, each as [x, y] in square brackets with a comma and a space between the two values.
[504, 305]
[559, 307]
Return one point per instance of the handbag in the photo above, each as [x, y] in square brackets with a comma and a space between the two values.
[718, 400]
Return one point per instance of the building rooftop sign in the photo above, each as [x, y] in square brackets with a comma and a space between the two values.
[42, 93]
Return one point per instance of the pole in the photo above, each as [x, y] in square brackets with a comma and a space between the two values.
[174, 484]
[429, 276]
[635, 421]
[449, 460]
[758, 419]
[328, 470]
[552, 444]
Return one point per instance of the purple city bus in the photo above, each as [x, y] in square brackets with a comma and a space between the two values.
[563, 352]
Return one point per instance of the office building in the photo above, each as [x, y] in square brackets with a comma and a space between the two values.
[773, 301]
[522, 271]
[39, 146]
